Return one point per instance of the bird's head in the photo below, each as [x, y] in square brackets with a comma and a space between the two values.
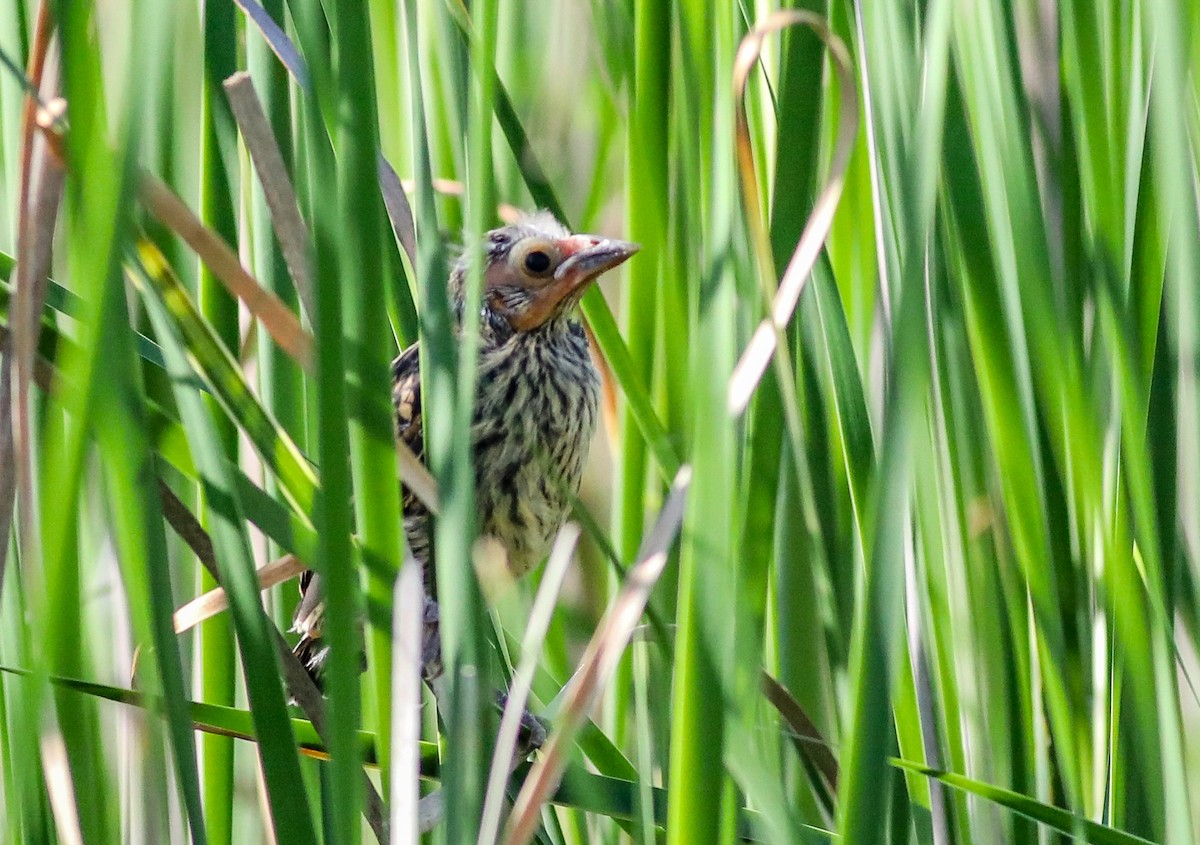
[536, 271]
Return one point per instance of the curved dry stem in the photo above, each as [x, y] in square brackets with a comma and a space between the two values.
[209, 604]
[408, 601]
[781, 302]
[522, 682]
[598, 664]
[283, 326]
[416, 477]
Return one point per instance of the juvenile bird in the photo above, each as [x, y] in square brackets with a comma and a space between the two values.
[535, 403]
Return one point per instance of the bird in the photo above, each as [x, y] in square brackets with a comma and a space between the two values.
[536, 405]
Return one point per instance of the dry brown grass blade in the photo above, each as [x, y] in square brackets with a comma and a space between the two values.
[215, 601]
[60, 788]
[44, 375]
[299, 684]
[277, 187]
[39, 49]
[41, 187]
[416, 477]
[522, 682]
[598, 664]
[35, 244]
[782, 301]
[399, 211]
[314, 753]
[506, 212]
[408, 616]
[278, 41]
[8, 470]
[808, 740]
[283, 326]
[608, 389]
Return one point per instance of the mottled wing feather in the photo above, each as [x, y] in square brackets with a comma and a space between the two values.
[406, 400]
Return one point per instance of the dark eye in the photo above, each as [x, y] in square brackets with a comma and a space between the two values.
[537, 262]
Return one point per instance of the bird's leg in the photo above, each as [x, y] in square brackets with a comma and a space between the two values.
[431, 643]
[533, 731]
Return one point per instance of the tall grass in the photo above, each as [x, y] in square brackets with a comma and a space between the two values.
[949, 500]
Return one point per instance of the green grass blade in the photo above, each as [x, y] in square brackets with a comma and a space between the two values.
[281, 768]
[1053, 817]
[221, 373]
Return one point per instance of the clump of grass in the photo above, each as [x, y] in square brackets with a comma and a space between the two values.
[914, 313]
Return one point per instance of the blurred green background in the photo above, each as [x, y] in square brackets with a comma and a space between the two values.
[958, 519]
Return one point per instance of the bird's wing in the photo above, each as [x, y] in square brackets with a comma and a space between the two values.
[406, 401]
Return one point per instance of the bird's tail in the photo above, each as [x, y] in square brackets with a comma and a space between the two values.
[312, 652]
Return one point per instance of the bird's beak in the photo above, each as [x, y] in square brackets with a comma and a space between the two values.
[586, 258]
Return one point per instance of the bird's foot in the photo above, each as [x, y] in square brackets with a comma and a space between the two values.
[533, 731]
[532, 734]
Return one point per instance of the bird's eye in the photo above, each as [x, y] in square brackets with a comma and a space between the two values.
[537, 262]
